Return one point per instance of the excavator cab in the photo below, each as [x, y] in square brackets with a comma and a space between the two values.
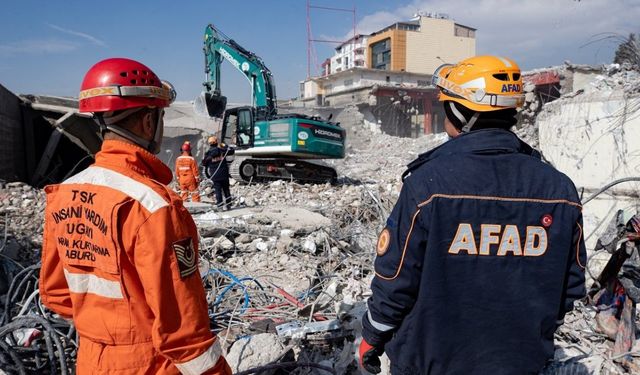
[237, 127]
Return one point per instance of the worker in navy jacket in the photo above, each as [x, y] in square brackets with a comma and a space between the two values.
[217, 170]
[483, 254]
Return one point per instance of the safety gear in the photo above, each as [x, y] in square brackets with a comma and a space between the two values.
[212, 140]
[481, 83]
[468, 232]
[187, 175]
[369, 357]
[114, 89]
[186, 146]
[117, 83]
[120, 256]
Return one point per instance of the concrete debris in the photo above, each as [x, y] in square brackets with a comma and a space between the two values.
[253, 351]
[569, 81]
[287, 270]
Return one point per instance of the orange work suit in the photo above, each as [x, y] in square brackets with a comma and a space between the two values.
[187, 175]
[120, 257]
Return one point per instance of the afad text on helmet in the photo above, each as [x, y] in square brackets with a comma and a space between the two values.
[511, 87]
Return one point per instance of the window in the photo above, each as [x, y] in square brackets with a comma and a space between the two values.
[346, 62]
[381, 54]
[245, 127]
[464, 31]
[232, 127]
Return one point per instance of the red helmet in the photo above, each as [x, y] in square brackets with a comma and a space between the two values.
[186, 146]
[118, 83]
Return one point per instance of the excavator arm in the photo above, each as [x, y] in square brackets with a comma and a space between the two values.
[217, 48]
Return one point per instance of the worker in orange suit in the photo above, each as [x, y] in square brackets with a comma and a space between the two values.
[120, 251]
[187, 174]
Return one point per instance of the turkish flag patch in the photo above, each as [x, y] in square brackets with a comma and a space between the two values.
[186, 255]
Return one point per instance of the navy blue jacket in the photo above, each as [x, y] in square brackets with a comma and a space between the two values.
[216, 167]
[481, 257]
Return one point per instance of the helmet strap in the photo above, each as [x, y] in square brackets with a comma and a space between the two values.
[466, 125]
[157, 136]
[107, 123]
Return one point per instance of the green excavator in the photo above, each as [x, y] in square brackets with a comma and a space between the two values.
[268, 145]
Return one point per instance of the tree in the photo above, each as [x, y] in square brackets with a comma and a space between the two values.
[628, 52]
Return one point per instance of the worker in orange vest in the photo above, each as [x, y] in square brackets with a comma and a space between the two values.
[187, 174]
[120, 252]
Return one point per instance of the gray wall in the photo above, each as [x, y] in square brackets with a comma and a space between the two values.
[12, 153]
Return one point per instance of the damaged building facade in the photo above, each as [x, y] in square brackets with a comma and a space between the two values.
[388, 73]
[45, 140]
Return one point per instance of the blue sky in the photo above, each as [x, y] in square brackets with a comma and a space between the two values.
[47, 46]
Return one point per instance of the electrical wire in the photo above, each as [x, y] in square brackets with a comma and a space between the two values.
[609, 186]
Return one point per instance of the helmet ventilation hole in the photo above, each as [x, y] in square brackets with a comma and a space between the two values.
[123, 74]
[516, 76]
[133, 81]
[501, 76]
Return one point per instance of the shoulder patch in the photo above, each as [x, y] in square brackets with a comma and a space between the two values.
[383, 242]
[186, 255]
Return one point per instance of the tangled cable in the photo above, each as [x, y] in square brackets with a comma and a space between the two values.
[32, 339]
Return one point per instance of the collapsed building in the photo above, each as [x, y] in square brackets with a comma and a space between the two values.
[45, 139]
[287, 272]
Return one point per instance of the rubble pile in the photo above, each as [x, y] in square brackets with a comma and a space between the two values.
[287, 270]
[21, 221]
[526, 129]
[604, 78]
[33, 340]
[301, 255]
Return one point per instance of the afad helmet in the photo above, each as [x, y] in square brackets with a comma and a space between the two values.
[118, 83]
[186, 146]
[480, 83]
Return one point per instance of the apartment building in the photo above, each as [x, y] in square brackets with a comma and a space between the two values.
[350, 54]
[420, 45]
[390, 71]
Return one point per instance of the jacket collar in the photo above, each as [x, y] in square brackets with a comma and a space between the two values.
[487, 141]
[129, 158]
[484, 141]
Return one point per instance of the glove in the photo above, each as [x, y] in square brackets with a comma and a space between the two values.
[369, 357]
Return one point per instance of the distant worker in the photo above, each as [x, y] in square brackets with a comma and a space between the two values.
[483, 253]
[187, 174]
[120, 252]
[217, 170]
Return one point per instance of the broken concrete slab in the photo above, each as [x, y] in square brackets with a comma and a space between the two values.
[253, 351]
[296, 219]
[198, 207]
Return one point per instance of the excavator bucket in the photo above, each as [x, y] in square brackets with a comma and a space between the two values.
[207, 104]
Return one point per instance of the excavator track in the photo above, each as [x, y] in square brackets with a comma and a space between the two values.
[261, 170]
